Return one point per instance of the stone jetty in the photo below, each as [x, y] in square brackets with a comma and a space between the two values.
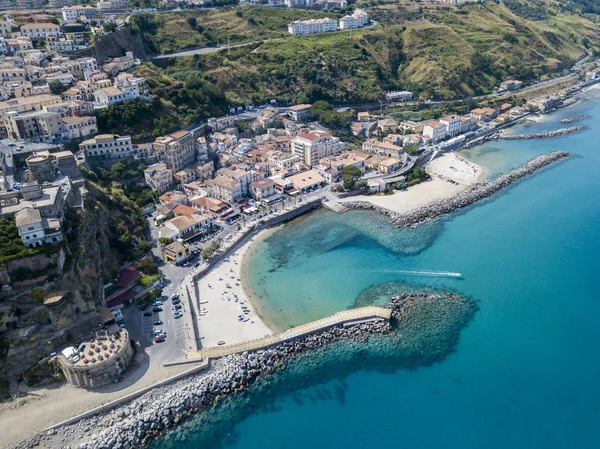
[572, 119]
[555, 133]
[135, 424]
[464, 198]
[406, 333]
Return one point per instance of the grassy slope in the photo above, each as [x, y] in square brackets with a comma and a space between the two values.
[174, 31]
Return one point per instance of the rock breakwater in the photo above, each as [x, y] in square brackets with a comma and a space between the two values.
[555, 133]
[472, 194]
[572, 119]
[411, 329]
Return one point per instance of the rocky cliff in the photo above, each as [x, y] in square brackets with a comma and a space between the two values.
[31, 330]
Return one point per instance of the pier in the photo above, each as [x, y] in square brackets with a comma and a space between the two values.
[345, 318]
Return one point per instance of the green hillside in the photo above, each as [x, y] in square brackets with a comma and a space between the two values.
[438, 53]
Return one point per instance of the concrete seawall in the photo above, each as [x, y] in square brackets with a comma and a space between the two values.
[346, 317]
[309, 206]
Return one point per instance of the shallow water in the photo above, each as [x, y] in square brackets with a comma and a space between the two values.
[526, 369]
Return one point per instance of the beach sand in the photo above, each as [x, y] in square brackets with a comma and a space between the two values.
[220, 323]
[450, 166]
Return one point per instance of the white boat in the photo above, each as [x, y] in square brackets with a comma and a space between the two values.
[203, 302]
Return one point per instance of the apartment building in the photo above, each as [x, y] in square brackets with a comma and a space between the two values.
[176, 150]
[82, 91]
[452, 123]
[312, 147]
[28, 104]
[72, 13]
[41, 30]
[312, 26]
[299, 112]
[434, 131]
[38, 125]
[382, 148]
[158, 177]
[186, 228]
[105, 147]
[12, 74]
[263, 189]
[108, 96]
[132, 86]
[357, 20]
[36, 231]
[80, 127]
[484, 114]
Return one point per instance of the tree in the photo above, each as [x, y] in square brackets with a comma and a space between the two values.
[148, 266]
[109, 27]
[93, 22]
[144, 247]
[412, 148]
[57, 88]
[350, 173]
[164, 241]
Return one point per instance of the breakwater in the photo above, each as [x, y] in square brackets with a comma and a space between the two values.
[555, 133]
[572, 119]
[462, 199]
[136, 423]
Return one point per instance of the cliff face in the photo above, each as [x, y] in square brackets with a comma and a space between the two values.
[115, 44]
[29, 330]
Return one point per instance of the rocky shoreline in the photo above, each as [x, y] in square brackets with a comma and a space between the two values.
[572, 119]
[555, 133]
[462, 199]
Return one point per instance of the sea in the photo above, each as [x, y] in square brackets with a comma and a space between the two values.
[525, 372]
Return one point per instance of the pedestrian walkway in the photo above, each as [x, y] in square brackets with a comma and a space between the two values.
[361, 314]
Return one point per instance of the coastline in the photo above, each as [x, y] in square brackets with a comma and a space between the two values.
[250, 295]
[474, 193]
[226, 314]
[450, 174]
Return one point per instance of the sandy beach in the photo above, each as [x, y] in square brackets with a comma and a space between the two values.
[223, 303]
[450, 166]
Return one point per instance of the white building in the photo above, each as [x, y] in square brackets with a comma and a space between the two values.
[434, 131]
[312, 147]
[452, 123]
[312, 26]
[41, 30]
[107, 147]
[402, 95]
[159, 177]
[108, 96]
[80, 127]
[35, 230]
[72, 13]
[357, 20]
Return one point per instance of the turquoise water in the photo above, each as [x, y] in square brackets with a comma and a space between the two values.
[525, 373]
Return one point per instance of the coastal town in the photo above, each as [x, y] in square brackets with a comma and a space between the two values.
[164, 224]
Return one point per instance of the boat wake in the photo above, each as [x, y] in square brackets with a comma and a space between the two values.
[440, 274]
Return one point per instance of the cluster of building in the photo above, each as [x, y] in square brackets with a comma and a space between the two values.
[315, 26]
[51, 184]
[29, 110]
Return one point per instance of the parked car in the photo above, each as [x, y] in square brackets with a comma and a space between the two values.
[177, 315]
[157, 309]
[175, 296]
[147, 313]
[158, 322]
[159, 339]
[197, 264]
[176, 301]
[177, 307]
[157, 303]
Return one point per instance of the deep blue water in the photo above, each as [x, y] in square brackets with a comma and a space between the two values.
[525, 373]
